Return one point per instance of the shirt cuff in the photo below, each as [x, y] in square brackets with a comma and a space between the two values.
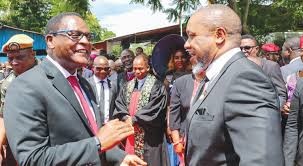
[98, 144]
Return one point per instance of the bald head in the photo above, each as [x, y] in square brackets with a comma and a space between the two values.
[100, 60]
[217, 15]
[143, 58]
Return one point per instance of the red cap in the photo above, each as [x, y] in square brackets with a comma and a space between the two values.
[270, 47]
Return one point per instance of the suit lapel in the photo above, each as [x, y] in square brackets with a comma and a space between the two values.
[62, 85]
[92, 98]
[199, 101]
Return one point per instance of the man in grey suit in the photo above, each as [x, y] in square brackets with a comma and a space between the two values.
[292, 46]
[105, 90]
[250, 48]
[236, 118]
[50, 112]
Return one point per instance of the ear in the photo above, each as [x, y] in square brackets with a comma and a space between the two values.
[49, 39]
[220, 35]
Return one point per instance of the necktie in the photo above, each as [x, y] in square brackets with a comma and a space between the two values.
[76, 87]
[200, 90]
[102, 88]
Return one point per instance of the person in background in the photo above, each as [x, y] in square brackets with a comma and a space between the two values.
[127, 57]
[182, 95]
[142, 102]
[105, 89]
[113, 75]
[178, 66]
[20, 54]
[292, 47]
[139, 50]
[250, 48]
[271, 52]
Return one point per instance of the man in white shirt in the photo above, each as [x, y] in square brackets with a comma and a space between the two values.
[235, 119]
[50, 114]
[105, 89]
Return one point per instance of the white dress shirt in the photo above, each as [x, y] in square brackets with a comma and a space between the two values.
[141, 83]
[216, 66]
[66, 74]
[106, 100]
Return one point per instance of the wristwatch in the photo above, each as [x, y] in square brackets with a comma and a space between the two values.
[98, 143]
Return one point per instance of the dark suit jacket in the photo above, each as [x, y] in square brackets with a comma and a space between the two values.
[180, 98]
[272, 69]
[113, 92]
[238, 121]
[293, 142]
[45, 124]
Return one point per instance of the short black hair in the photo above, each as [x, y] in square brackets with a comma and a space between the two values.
[139, 48]
[248, 36]
[52, 24]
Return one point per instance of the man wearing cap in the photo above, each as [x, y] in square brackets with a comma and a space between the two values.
[21, 57]
[271, 52]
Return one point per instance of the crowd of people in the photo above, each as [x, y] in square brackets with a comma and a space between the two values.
[224, 99]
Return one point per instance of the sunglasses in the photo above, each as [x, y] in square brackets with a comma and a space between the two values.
[247, 47]
[102, 68]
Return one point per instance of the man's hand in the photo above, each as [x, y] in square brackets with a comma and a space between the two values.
[129, 120]
[286, 109]
[113, 133]
[179, 148]
[132, 160]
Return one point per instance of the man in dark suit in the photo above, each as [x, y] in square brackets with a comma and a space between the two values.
[235, 119]
[106, 90]
[292, 46]
[50, 112]
[250, 48]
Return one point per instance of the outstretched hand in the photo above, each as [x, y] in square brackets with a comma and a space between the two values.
[113, 133]
[133, 160]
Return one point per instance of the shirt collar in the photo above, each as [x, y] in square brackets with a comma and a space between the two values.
[294, 59]
[65, 73]
[142, 80]
[215, 67]
[97, 80]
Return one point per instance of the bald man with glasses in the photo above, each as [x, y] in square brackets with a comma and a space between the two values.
[105, 90]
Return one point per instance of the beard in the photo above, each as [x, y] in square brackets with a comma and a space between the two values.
[197, 68]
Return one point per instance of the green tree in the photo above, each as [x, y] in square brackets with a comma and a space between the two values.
[33, 14]
[27, 14]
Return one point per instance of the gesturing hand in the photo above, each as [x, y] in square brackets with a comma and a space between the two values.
[132, 160]
[113, 132]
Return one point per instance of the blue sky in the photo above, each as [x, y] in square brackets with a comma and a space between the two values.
[123, 18]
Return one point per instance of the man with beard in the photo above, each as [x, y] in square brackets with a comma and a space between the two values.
[235, 119]
[127, 57]
[182, 95]
[51, 114]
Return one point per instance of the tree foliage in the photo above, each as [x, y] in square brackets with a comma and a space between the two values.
[259, 17]
[34, 14]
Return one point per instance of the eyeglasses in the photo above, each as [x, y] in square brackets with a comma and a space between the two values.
[247, 47]
[74, 34]
[102, 68]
